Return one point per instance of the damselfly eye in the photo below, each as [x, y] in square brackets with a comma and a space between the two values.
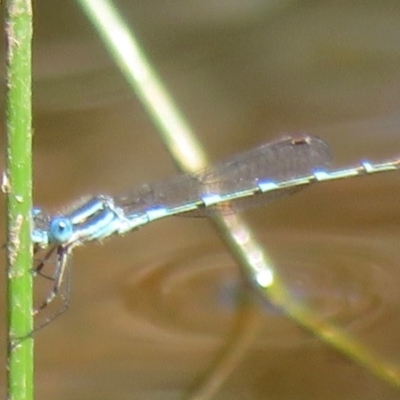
[60, 230]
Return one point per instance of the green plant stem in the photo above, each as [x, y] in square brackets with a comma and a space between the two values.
[17, 183]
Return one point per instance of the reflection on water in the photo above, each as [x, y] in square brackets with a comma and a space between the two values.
[195, 294]
[161, 312]
[189, 318]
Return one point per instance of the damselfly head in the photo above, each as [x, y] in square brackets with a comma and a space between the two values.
[60, 230]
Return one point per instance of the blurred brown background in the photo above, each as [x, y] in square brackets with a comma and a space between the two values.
[152, 312]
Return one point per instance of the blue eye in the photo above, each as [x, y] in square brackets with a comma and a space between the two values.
[60, 230]
[36, 212]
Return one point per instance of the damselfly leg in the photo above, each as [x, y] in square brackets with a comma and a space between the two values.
[54, 266]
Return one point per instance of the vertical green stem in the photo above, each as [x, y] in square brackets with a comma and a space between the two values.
[17, 183]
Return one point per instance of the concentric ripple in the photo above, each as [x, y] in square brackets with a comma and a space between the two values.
[200, 292]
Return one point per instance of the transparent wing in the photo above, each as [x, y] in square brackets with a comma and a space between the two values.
[288, 158]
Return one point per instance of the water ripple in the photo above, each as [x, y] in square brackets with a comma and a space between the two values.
[198, 293]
